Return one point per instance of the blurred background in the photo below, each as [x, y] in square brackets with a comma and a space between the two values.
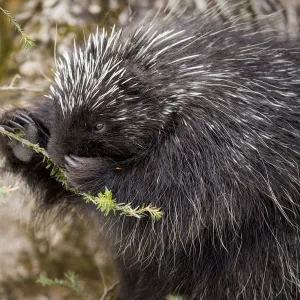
[29, 249]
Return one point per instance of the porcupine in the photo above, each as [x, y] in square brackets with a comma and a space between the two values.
[201, 120]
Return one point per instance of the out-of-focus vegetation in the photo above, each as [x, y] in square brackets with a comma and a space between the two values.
[27, 41]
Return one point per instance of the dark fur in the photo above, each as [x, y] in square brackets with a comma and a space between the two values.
[222, 163]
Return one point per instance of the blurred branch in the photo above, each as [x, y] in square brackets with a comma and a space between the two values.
[109, 290]
[13, 88]
[7, 189]
[20, 89]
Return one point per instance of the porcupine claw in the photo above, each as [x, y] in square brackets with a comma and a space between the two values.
[71, 161]
[27, 125]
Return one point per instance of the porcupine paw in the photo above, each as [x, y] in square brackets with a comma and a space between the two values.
[76, 170]
[84, 173]
[19, 121]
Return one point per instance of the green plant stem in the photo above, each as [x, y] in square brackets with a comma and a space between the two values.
[103, 201]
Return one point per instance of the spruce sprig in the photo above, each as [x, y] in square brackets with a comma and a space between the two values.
[26, 39]
[105, 202]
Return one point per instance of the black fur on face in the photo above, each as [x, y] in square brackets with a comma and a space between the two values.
[101, 133]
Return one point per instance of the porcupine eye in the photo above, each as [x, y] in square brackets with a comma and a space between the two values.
[99, 127]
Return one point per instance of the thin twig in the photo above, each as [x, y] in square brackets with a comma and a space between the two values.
[109, 290]
[20, 89]
[16, 77]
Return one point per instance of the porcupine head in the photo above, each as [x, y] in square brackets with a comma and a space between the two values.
[112, 107]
